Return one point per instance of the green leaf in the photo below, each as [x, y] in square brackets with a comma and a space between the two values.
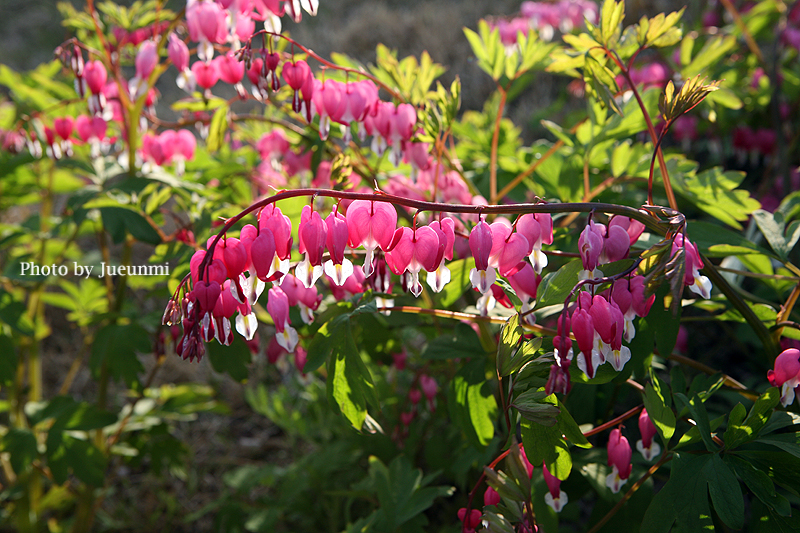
[546, 444]
[726, 494]
[661, 30]
[118, 220]
[461, 342]
[8, 360]
[684, 498]
[81, 457]
[747, 430]
[401, 491]
[525, 355]
[698, 411]
[788, 442]
[773, 226]
[474, 406]
[505, 485]
[611, 16]
[712, 52]
[713, 192]
[510, 337]
[232, 360]
[664, 323]
[217, 129]
[20, 444]
[531, 407]
[658, 410]
[116, 346]
[556, 286]
[718, 241]
[759, 484]
[571, 431]
[560, 133]
[328, 336]
[350, 383]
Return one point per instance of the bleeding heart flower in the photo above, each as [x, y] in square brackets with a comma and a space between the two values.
[619, 457]
[647, 446]
[412, 251]
[371, 225]
[555, 497]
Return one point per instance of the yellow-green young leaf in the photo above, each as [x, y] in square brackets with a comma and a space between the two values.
[713, 50]
[535, 54]
[611, 17]
[217, 129]
[510, 335]
[489, 51]
[661, 30]
[714, 191]
[512, 63]
[475, 42]
[687, 45]
[725, 98]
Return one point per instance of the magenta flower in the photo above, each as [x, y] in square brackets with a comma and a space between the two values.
[491, 497]
[338, 267]
[178, 53]
[95, 76]
[371, 225]
[329, 104]
[647, 446]
[205, 74]
[786, 374]
[281, 227]
[471, 521]
[412, 251]
[619, 457]
[231, 70]
[278, 309]
[508, 248]
[480, 243]
[296, 74]
[609, 323]
[555, 497]
[262, 253]
[696, 282]
[311, 242]
[590, 246]
[583, 328]
[429, 387]
[445, 230]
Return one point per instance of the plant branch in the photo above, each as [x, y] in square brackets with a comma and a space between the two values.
[650, 129]
[664, 458]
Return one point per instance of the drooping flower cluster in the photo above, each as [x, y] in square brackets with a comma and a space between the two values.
[234, 275]
[600, 321]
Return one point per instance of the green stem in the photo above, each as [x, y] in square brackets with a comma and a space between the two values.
[650, 129]
[495, 141]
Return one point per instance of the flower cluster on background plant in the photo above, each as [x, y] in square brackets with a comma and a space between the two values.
[535, 255]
